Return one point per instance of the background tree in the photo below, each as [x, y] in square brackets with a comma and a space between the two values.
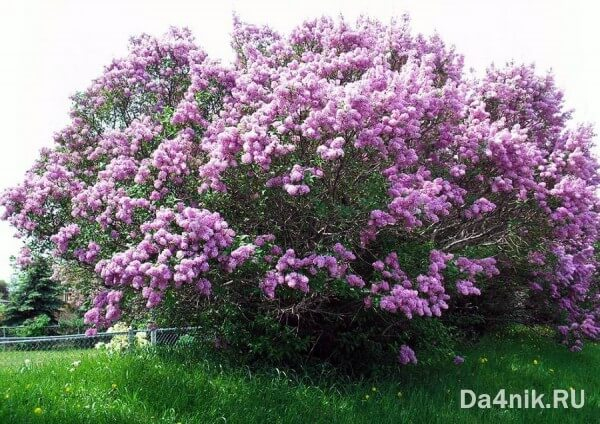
[3, 290]
[34, 293]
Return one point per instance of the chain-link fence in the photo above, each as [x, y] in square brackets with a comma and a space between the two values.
[62, 328]
[17, 330]
[116, 340]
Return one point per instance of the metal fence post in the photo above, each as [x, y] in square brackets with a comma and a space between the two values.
[153, 337]
[131, 338]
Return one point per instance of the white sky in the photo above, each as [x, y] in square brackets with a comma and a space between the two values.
[50, 49]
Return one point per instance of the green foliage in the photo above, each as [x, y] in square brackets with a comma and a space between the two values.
[3, 297]
[70, 325]
[186, 341]
[33, 327]
[34, 293]
[436, 339]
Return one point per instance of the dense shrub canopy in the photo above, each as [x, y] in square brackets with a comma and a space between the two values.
[342, 168]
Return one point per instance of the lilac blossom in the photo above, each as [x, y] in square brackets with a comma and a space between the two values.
[406, 355]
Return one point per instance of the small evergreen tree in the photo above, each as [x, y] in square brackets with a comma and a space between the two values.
[33, 294]
[3, 290]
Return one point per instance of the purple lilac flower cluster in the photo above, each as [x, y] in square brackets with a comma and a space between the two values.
[406, 355]
[288, 265]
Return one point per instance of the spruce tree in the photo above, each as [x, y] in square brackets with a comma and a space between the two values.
[3, 290]
[33, 293]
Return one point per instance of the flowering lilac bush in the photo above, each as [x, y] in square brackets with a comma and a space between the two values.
[340, 171]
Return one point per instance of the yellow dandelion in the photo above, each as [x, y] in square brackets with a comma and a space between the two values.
[114, 386]
[535, 362]
[68, 389]
[483, 359]
[38, 411]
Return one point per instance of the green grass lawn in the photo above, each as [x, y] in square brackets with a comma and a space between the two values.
[146, 388]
